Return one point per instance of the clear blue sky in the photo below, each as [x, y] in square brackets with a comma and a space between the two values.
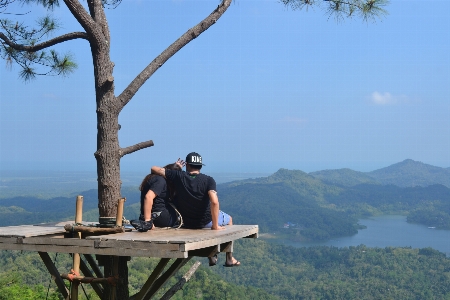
[264, 88]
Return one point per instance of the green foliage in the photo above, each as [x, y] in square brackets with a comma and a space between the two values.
[12, 288]
[425, 205]
[366, 9]
[23, 276]
[344, 177]
[432, 213]
[204, 284]
[341, 273]
[16, 37]
[272, 205]
[267, 271]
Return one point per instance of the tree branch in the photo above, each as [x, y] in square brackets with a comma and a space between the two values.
[134, 148]
[84, 19]
[49, 43]
[187, 37]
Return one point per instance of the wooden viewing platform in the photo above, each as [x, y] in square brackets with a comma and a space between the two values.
[159, 242]
[179, 244]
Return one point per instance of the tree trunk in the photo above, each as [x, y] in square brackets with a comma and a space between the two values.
[108, 158]
[108, 149]
[108, 161]
[120, 291]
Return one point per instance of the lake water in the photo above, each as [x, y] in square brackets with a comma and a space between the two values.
[384, 231]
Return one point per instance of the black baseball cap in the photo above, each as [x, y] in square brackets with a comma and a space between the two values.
[194, 159]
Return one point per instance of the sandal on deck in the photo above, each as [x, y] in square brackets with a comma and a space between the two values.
[213, 260]
[236, 264]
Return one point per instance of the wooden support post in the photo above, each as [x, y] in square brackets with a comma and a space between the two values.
[151, 279]
[179, 285]
[55, 274]
[93, 265]
[116, 272]
[179, 262]
[99, 289]
[116, 275]
[76, 256]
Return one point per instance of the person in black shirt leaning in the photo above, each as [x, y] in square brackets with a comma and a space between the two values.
[197, 199]
[156, 209]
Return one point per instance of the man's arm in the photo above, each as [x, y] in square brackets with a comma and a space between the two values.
[159, 171]
[214, 200]
[162, 172]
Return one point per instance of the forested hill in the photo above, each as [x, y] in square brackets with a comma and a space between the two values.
[314, 209]
[316, 206]
[408, 173]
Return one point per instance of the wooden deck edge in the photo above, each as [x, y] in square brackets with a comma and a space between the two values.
[219, 240]
[91, 250]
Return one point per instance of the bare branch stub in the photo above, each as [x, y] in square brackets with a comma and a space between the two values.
[136, 147]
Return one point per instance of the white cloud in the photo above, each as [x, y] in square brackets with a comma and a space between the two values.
[387, 98]
[382, 99]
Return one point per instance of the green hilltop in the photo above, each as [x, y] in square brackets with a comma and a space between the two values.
[407, 173]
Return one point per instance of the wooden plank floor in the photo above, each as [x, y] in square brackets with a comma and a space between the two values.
[161, 242]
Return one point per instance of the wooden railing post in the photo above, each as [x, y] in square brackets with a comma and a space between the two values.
[119, 215]
[76, 256]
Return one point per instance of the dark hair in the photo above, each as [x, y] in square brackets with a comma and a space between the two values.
[170, 186]
[195, 167]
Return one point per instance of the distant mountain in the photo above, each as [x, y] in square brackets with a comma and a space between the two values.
[344, 177]
[324, 204]
[303, 183]
[410, 173]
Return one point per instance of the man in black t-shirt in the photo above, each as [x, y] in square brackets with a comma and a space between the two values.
[196, 199]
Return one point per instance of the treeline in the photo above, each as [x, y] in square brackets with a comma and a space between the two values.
[341, 273]
[267, 271]
[24, 276]
[429, 205]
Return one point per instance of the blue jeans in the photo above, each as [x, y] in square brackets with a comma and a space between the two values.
[224, 219]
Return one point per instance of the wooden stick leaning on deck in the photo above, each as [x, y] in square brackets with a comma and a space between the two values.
[88, 229]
